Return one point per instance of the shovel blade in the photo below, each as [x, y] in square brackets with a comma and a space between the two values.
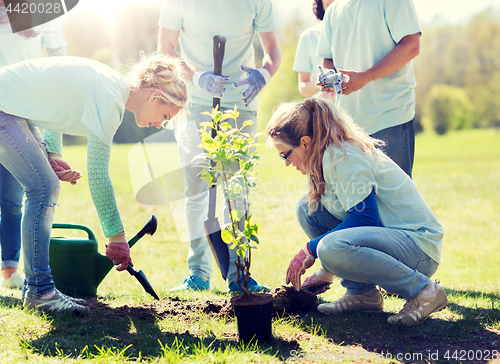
[220, 250]
[141, 277]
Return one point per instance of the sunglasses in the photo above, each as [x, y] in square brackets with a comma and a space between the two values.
[286, 155]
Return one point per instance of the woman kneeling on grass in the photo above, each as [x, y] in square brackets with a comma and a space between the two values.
[367, 222]
[75, 96]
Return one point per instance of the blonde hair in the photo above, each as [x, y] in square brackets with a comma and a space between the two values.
[325, 124]
[162, 72]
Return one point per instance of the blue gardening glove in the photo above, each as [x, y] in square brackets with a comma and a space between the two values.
[303, 260]
[209, 83]
[331, 80]
[256, 80]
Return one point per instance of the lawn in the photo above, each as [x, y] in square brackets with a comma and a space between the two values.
[459, 176]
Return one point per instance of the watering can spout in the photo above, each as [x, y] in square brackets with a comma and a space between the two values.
[103, 264]
[102, 267]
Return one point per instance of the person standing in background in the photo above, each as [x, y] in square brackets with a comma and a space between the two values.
[16, 47]
[193, 24]
[306, 62]
[374, 42]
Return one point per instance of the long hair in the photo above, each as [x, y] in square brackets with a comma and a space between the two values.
[325, 124]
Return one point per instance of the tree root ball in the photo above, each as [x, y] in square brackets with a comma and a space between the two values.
[290, 302]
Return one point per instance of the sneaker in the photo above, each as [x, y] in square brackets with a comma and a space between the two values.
[58, 303]
[16, 280]
[193, 283]
[253, 287]
[369, 302]
[79, 301]
[418, 308]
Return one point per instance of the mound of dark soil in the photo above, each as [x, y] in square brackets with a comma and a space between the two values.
[288, 301]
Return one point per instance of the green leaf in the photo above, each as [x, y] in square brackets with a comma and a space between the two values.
[246, 123]
[237, 214]
[254, 238]
[206, 176]
[227, 236]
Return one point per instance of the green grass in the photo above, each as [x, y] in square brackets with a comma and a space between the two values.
[458, 174]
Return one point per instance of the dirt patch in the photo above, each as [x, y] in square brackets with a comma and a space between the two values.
[169, 306]
[288, 301]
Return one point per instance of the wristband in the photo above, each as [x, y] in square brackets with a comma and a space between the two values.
[264, 72]
[195, 80]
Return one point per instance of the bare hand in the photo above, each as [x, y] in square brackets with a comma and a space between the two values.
[63, 170]
[357, 80]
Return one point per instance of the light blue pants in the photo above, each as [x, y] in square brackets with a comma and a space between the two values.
[367, 256]
[22, 154]
[196, 190]
[11, 203]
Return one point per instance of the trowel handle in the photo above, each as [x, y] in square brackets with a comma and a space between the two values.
[148, 228]
[131, 270]
[89, 232]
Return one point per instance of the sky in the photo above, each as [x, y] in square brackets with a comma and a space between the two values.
[449, 11]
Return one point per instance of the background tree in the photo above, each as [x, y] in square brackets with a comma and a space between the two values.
[465, 56]
[447, 108]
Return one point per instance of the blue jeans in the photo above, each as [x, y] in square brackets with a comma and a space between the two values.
[22, 153]
[367, 256]
[196, 191]
[11, 203]
[400, 144]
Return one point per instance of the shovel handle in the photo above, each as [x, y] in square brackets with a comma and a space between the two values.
[219, 48]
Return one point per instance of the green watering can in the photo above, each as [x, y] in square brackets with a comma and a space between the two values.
[77, 266]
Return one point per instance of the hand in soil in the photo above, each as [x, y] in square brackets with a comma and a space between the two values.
[318, 282]
[298, 266]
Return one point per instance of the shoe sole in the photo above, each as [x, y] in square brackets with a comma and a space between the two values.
[345, 312]
[75, 312]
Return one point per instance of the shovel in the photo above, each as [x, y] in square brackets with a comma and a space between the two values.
[220, 249]
[149, 229]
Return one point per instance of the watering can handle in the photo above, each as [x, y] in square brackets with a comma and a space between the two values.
[89, 232]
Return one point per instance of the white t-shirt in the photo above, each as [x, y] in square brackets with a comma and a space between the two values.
[306, 59]
[357, 34]
[70, 95]
[351, 178]
[200, 20]
[16, 48]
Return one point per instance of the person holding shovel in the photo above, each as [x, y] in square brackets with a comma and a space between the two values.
[367, 222]
[193, 24]
[75, 96]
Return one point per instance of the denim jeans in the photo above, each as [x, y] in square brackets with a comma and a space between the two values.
[367, 256]
[11, 203]
[196, 191]
[400, 144]
[23, 155]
